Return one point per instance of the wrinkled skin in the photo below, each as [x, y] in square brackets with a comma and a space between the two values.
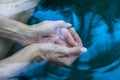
[65, 42]
[52, 31]
[55, 53]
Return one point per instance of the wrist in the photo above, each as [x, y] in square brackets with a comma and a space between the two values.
[35, 30]
[14, 30]
[40, 29]
[23, 35]
[33, 53]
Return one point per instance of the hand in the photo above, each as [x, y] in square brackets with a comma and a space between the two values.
[66, 60]
[57, 54]
[26, 35]
[57, 31]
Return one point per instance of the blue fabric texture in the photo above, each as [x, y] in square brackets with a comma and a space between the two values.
[101, 62]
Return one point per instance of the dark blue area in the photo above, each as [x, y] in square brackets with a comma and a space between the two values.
[99, 32]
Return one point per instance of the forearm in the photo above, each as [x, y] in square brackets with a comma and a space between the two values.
[21, 13]
[13, 30]
[8, 35]
[21, 59]
[12, 65]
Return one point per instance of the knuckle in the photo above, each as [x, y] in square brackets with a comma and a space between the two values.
[61, 22]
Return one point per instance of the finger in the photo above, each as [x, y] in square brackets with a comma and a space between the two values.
[53, 57]
[55, 48]
[68, 37]
[77, 50]
[64, 60]
[54, 39]
[59, 41]
[75, 35]
[70, 51]
[47, 39]
[67, 60]
[63, 24]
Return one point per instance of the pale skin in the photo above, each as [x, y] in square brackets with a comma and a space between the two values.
[19, 10]
[54, 53]
[49, 40]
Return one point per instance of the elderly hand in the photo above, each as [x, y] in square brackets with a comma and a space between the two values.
[55, 53]
[56, 30]
[62, 33]
[53, 31]
[49, 31]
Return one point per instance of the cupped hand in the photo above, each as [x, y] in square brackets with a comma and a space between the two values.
[57, 54]
[59, 32]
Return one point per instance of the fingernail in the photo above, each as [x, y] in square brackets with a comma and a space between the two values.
[69, 24]
[83, 49]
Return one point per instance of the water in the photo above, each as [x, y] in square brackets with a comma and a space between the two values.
[98, 32]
